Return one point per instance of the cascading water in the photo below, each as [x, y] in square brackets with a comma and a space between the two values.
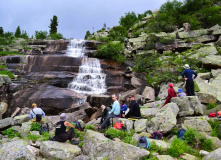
[90, 78]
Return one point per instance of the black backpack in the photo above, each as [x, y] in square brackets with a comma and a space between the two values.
[78, 125]
[143, 142]
[38, 116]
[44, 129]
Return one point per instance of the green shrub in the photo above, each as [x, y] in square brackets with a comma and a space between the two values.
[179, 147]
[35, 126]
[6, 72]
[125, 136]
[211, 106]
[9, 132]
[81, 144]
[2, 67]
[90, 127]
[112, 50]
[190, 136]
[175, 131]
[7, 53]
[207, 145]
[45, 136]
[118, 33]
[33, 137]
[41, 34]
[216, 132]
[56, 36]
[128, 20]
[154, 148]
[103, 39]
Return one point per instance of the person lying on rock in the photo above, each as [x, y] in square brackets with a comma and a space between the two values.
[171, 94]
[181, 93]
[105, 110]
[115, 112]
[188, 73]
[37, 114]
[134, 109]
[60, 132]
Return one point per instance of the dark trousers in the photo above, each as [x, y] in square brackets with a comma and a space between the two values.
[69, 135]
[107, 120]
[190, 87]
[108, 123]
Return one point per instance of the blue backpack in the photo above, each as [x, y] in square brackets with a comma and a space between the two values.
[143, 142]
[181, 133]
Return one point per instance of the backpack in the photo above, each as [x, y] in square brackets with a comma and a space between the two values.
[38, 116]
[78, 125]
[44, 129]
[143, 142]
[181, 133]
[157, 135]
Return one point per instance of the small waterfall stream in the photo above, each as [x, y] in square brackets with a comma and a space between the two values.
[90, 78]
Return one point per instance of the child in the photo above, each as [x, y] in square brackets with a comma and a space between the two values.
[181, 93]
[123, 107]
[171, 94]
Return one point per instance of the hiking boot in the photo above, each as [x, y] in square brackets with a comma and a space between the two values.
[74, 142]
[52, 139]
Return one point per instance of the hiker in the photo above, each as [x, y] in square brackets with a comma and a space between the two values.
[115, 112]
[37, 114]
[134, 109]
[188, 73]
[171, 94]
[181, 93]
[105, 114]
[60, 132]
[181, 132]
[123, 107]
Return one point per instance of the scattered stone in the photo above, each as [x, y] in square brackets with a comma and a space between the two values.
[149, 94]
[136, 82]
[186, 156]
[25, 129]
[215, 72]
[82, 157]
[215, 155]
[165, 119]
[192, 34]
[197, 124]
[63, 151]
[204, 153]
[3, 107]
[216, 143]
[186, 27]
[4, 79]
[163, 145]
[164, 157]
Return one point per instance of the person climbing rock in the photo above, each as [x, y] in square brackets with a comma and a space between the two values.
[171, 94]
[188, 76]
[134, 109]
[60, 132]
[105, 110]
[115, 112]
[36, 114]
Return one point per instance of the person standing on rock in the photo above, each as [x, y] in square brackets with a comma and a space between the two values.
[60, 132]
[37, 114]
[188, 76]
[115, 112]
[105, 113]
[171, 94]
[134, 108]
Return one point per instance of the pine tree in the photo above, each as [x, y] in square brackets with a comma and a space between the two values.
[53, 25]
[88, 33]
[1, 31]
[18, 32]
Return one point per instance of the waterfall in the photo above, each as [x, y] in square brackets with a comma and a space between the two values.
[90, 78]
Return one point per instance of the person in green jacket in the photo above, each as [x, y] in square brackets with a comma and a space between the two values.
[104, 114]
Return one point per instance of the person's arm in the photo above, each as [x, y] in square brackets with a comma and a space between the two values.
[113, 108]
[183, 73]
[67, 124]
[131, 108]
[195, 74]
[31, 116]
[43, 114]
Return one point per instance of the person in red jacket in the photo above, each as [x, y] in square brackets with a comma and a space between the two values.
[171, 94]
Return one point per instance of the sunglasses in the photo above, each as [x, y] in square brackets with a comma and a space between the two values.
[130, 97]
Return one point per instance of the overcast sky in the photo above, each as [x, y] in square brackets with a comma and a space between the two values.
[75, 16]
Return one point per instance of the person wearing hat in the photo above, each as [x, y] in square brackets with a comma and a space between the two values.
[188, 76]
[181, 93]
[60, 132]
[171, 94]
[36, 114]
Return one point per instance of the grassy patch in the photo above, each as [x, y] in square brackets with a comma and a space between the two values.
[91, 127]
[35, 126]
[3, 67]
[9, 132]
[7, 53]
[32, 137]
[6, 72]
[211, 106]
[216, 132]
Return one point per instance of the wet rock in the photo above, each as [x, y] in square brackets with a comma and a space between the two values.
[197, 124]
[215, 155]
[16, 150]
[63, 151]
[165, 119]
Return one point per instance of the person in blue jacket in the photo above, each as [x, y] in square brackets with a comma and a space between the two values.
[188, 76]
[123, 107]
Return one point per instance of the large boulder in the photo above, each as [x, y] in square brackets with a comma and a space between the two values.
[148, 112]
[97, 146]
[165, 119]
[94, 122]
[4, 79]
[149, 93]
[127, 123]
[25, 129]
[211, 61]
[198, 124]
[21, 119]
[16, 150]
[140, 125]
[215, 155]
[98, 100]
[57, 150]
[216, 143]
[7, 122]
[192, 34]
[188, 105]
